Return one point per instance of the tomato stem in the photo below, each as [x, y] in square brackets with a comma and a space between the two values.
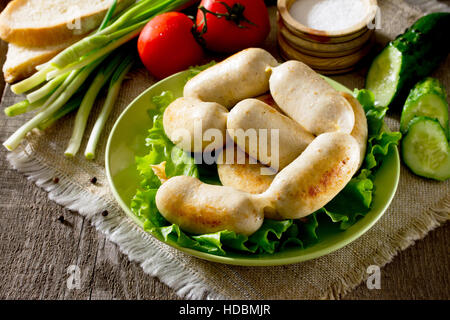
[234, 14]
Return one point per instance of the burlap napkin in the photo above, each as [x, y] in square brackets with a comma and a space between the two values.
[419, 206]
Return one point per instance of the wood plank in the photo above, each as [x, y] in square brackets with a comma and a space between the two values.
[419, 272]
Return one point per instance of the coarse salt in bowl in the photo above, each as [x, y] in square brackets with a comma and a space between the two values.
[333, 18]
[329, 15]
[331, 36]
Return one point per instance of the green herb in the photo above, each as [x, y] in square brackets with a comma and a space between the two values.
[70, 106]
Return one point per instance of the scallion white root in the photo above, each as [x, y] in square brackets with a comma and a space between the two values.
[113, 92]
[103, 75]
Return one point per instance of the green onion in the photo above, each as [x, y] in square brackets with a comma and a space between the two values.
[99, 53]
[22, 107]
[113, 92]
[108, 16]
[31, 82]
[70, 106]
[105, 72]
[47, 89]
[13, 141]
[146, 9]
[61, 88]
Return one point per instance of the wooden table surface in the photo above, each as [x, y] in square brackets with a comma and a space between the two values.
[36, 250]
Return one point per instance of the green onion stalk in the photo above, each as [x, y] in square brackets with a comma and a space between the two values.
[103, 75]
[13, 141]
[22, 107]
[113, 93]
[47, 89]
[70, 106]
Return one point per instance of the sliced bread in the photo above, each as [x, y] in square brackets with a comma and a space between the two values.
[21, 61]
[51, 22]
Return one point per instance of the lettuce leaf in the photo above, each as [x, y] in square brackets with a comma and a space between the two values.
[195, 70]
[353, 202]
[267, 238]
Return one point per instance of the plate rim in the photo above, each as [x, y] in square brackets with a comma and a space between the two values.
[242, 261]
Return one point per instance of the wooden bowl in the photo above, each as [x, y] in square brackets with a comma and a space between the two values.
[330, 52]
[324, 49]
[327, 65]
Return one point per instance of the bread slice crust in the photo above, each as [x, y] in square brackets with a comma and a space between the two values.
[46, 33]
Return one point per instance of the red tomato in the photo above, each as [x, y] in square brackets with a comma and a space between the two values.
[166, 45]
[243, 24]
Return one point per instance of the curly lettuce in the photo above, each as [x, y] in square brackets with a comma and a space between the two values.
[352, 203]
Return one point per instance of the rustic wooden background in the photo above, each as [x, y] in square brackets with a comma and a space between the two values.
[36, 249]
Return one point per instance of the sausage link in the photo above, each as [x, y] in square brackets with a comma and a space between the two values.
[242, 174]
[203, 208]
[315, 169]
[250, 116]
[360, 129]
[308, 99]
[243, 75]
[187, 119]
[315, 177]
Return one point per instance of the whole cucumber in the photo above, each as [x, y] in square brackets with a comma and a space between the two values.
[410, 57]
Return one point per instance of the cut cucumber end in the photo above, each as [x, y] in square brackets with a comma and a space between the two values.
[425, 149]
[384, 75]
[431, 106]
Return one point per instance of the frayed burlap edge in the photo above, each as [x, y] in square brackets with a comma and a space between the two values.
[427, 221]
[117, 227]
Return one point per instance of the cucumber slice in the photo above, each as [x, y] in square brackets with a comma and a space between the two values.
[384, 75]
[425, 149]
[429, 106]
[428, 99]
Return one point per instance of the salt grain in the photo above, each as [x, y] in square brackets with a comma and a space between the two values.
[329, 15]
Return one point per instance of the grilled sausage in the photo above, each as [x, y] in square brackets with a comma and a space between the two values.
[241, 173]
[203, 208]
[250, 116]
[243, 75]
[304, 186]
[308, 99]
[315, 169]
[315, 177]
[186, 120]
[360, 130]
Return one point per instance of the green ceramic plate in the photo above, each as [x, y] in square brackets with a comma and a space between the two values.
[127, 140]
